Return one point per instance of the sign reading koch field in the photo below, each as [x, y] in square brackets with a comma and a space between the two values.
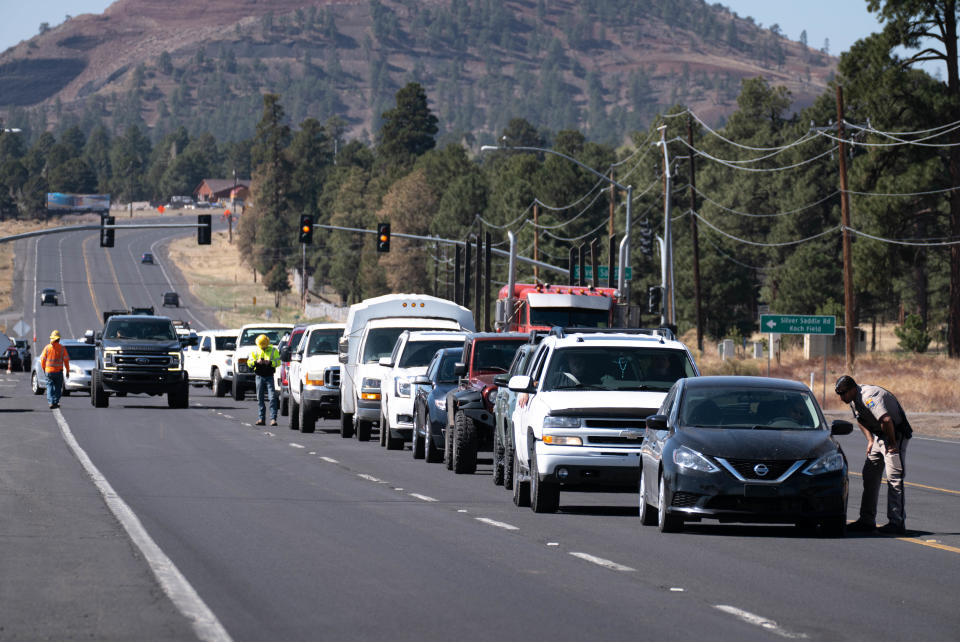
[798, 324]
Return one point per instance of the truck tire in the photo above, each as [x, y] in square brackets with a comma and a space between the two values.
[308, 420]
[98, 396]
[497, 459]
[35, 384]
[180, 397]
[521, 489]
[237, 390]
[284, 404]
[464, 445]
[508, 467]
[448, 447]
[219, 384]
[648, 514]
[294, 415]
[384, 429]
[544, 495]
[346, 425]
[363, 430]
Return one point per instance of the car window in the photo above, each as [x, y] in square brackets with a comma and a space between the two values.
[740, 407]
[446, 374]
[145, 330]
[398, 346]
[418, 353]
[249, 336]
[206, 343]
[225, 343]
[537, 368]
[295, 338]
[80, 353]
[434, 365]
[379, 343]
[323, 342]
[616, 368]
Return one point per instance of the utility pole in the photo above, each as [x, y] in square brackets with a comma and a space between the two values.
[487, 283]
[613, 203]
[477, 316]
[536, 240]
[457, 294]
[848, 317]
[668, 317]
[695, 237]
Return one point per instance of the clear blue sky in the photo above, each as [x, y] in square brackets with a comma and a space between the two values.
[842, 21]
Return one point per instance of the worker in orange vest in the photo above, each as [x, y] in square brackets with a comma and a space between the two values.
[56, 364]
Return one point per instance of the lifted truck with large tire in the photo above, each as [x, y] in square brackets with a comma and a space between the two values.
[139, 354]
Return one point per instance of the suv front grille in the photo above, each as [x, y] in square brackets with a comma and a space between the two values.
[747, 467]
[622, 424]
[142, 360]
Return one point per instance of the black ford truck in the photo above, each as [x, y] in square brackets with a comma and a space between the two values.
[139, 354]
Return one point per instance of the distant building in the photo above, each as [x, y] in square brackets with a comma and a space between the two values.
[217, 189]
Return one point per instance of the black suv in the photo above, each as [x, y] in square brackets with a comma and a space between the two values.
[139, 354]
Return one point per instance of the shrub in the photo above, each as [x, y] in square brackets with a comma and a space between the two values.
[912, 335]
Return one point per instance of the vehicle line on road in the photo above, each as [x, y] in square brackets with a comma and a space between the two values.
[425, 498]
[758, 620]
[930, 543]
[605, 563]
[492, 522]
[173, 583]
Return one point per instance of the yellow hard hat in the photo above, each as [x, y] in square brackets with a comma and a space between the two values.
[55, 335]
[263, 341]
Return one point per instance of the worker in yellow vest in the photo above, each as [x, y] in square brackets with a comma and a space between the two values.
[264, 360]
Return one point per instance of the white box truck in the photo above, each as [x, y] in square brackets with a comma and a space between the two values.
[371, 331]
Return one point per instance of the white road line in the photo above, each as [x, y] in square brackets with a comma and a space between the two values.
[296, 445]
[757, 620]
[599, 561]
[225, 416]
[942, 441]
[330, 459]
[493, 522]
[174, 584]
[368, 477]
[425, 498]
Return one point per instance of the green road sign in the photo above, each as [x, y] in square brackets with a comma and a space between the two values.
[798, 324]
[604, 272]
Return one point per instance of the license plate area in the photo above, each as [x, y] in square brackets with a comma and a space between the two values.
[760, 490]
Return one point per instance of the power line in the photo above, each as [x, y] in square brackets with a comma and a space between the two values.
[786, 213]
[732, 165]
[740, 240]
[914, 243]
[779, 148]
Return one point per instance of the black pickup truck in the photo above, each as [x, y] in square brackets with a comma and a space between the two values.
[139, 354]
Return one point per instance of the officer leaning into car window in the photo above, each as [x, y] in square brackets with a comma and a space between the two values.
[264, 360]
[55, 363]
[887, 430]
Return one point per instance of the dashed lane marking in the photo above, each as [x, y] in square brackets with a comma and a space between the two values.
[330, 460]
[599, 561]
[368, 477]
[174, 584]
[757, 620]
[493, 522]
[425, 498]
[293, 445]
[931, 544]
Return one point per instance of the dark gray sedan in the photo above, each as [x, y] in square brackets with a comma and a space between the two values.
[743, 449]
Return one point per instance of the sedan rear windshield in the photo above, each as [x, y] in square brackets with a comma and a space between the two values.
[758, 408]
[80, 353]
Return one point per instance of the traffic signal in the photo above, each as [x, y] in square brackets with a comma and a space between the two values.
[654, 295]
[106, 235]
[306, 229]
[383, 237]
[646, 238]
[205, 231]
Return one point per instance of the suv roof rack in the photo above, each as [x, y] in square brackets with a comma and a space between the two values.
[662, 332]
[536, 336]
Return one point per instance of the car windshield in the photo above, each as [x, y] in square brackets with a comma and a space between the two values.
[225, 343]
[496, 355]
[418, 353]
[379, 343]
[148, 330]
[569, 318]
[323, 342]
[616, 368]
[249, 336]
[80, 353]
[757, 408]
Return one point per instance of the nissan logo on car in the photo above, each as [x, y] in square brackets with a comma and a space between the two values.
[761, 470]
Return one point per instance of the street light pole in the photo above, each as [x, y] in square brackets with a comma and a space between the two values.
[624, 257]
[668, 316]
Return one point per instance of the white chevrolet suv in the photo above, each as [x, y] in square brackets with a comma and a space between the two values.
[410, 357]
[582, 407]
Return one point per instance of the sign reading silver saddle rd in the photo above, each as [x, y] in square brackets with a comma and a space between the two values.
[798, 324]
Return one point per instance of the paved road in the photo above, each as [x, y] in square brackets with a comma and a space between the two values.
[281, 535]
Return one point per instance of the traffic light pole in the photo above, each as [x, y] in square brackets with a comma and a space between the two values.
[81, 228]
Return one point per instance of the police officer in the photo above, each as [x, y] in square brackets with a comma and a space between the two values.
[887, 430]
[264, 360]
[55, 363]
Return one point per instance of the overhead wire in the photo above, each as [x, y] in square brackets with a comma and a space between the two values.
[732, 165]
[749, 242]
[786, 213]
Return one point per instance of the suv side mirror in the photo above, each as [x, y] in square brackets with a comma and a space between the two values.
[521, 383]
[386, 362]
[422, 380]
[840, 427]
[205, 348]
[343, 349]
[285, 354]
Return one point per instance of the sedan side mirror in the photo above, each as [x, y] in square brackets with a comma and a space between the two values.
[657, 422]
[840, 427]
[422, 380]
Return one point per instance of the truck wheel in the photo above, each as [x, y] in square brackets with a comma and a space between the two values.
[497, 460]
[448, 447]
[308, 420]
[363, 430]
[294, 415]
[284, 404]
[508, 467]
[544, 495]
[464, 445]
[237, 390]
[98, 397]
[521, 489]
[218, 384]
[346, 425]
[35, 384]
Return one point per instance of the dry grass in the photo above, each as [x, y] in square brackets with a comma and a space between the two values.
[922, 382]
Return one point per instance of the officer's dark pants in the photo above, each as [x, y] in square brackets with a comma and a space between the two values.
[879, 461]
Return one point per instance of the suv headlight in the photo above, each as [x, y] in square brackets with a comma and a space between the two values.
[370, 383]
[552, 421]
[174, 359]
[313, 379]
[403, 387]
[827, 464]
[692, 460]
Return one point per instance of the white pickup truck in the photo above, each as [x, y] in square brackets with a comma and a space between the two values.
[243, 377]
[210, 361]
[314, 376]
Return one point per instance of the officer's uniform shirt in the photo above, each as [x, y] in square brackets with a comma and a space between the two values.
[873, 402]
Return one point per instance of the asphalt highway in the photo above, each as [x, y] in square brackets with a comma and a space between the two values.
[142, 522]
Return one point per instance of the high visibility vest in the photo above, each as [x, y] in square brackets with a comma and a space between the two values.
[54, 358]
